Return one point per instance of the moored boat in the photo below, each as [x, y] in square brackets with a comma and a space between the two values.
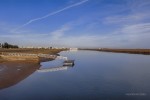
[68, 63]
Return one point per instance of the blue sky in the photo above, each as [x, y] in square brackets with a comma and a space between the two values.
[76, 23]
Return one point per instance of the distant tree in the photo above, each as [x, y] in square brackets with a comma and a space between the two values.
[15, 46]
[6, 45]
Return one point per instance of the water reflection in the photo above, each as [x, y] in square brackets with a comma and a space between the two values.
[12, 73]
[52, 69]
[95, 76]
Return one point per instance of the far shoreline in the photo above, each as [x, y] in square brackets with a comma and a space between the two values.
[129, 51]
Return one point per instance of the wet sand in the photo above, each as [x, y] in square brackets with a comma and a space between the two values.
[12, 73]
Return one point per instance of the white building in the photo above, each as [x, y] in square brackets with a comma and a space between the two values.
[73, 49]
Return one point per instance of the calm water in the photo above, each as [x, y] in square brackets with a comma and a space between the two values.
[95, 76]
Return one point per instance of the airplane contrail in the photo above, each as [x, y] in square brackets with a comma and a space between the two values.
[50, 14]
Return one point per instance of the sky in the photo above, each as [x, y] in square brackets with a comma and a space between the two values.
[76, 23]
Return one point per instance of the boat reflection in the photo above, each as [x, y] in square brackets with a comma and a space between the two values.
[66, 64]
[12, 73]
[52, 69]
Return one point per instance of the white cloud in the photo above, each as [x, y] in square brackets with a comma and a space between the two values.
[133, 27]
[57, 34]
[134, 36]
[126, 19]
[136, 4]
[133, 31]
[136, 11]
[136, 29]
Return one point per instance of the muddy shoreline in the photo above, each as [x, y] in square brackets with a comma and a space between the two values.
[12, 73]
[28, 58]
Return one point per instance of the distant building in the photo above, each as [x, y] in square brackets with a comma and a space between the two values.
[39, 47]
[30, 47]
[73, 49]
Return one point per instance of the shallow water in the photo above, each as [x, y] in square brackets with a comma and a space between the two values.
[95, 76]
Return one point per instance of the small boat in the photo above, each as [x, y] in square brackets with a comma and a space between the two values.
[68, 63]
